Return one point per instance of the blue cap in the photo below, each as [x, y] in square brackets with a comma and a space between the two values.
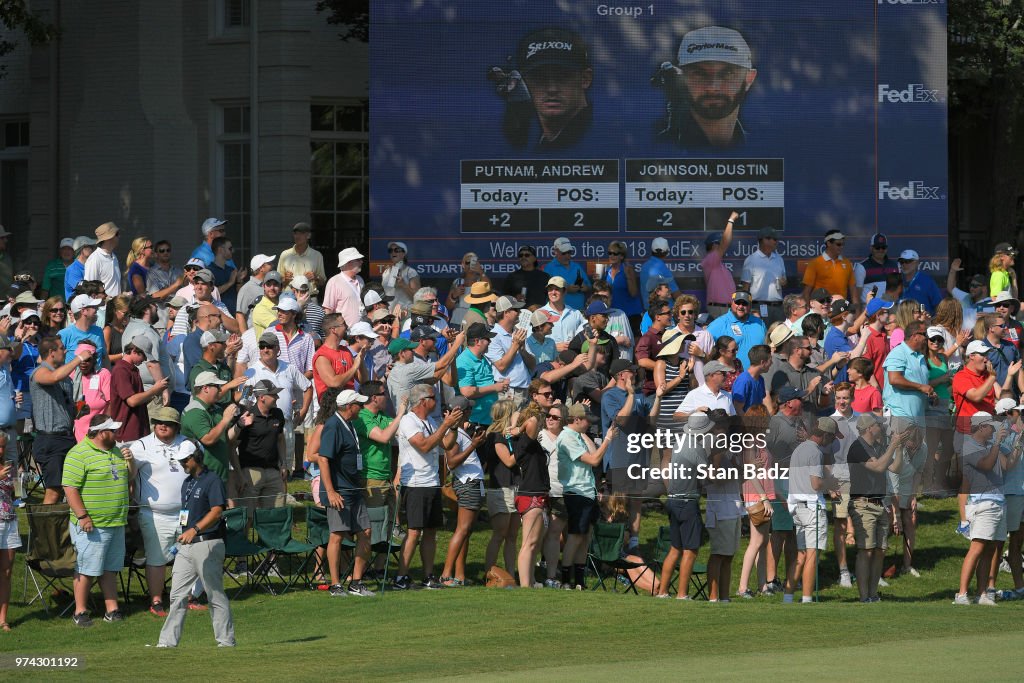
[876, 304]
[713, 238]
[789, 392]
[597, 307]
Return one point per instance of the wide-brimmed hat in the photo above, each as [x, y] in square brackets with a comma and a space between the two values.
[480, 293]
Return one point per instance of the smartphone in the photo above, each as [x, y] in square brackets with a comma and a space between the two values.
[874, 290]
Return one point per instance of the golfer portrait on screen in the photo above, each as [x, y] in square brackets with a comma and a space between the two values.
[546, 94]
[705, 89]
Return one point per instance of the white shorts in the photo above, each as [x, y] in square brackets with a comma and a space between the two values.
[811, 526]
[9, 536]
[160, 532]
[1014, 512]
[988, 521]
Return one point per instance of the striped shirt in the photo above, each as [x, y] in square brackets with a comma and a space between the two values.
[101, 478]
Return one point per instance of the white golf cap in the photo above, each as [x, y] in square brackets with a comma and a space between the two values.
[259, 259]
[109, 423]
[186, 450]
[347, 255]
[207, 378]
[1005, 405]
[67, 242]
[286, 303]
[400, 245]
[84, 301]
[563, 245]
[977, 346]
[348, 396]
[909, 255]
[373, 297]
[29, 313]
[362, 329]
[659, 244]
[299, 281]
[715, 44]
[935, 331]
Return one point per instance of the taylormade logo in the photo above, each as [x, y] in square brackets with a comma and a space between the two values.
[914, 189]
[697, 47]
[914, 93]
[534, 48]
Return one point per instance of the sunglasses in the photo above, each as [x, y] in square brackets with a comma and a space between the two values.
[163, 251]
[272, 284]
[31, 321]
[58, 310]
[687, 311]
[192, 269]
[159, 423]
[616, 253]
[553, 416]
[525, 254]
[546, 394]
[936, 340]
[396, 251]
[264, 346]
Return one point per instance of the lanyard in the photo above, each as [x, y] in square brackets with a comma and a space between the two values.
[189, 490]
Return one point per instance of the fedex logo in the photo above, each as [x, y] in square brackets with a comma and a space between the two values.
[914, 93]
[914, 189]
[911, 2]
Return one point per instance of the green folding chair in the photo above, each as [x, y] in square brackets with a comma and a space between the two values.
[317, 534]
[699, 580]
[237, 546]
[381, 541]
[662, 545]
[606, 553]
[273, 527]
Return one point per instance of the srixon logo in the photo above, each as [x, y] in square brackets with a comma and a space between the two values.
[913, 93]
[914, 189]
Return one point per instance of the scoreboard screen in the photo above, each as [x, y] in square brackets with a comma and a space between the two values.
[498, 125]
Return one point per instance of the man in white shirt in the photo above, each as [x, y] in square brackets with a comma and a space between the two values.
[302, 259]
[344, 291]
[764, 273]
[102, 264]
[847, 421]
[420, 444]
[708, 396]
[567, 321]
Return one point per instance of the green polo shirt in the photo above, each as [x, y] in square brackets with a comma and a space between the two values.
[53, 277]
[222, 371]
[101, 478]
[376, 457]
[196, 422]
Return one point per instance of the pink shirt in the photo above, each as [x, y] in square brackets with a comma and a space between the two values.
[717, 278]
[896, 338]
[96, 394]
[344, 295]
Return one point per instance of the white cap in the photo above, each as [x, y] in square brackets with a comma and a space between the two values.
[207, 378]
[400, 245]
[981, 418]
[909, 255]
[29, 313]
[714, 44]
[362, 329]
[563, 245]
[1001, 297]
[109, 423]
[977, 346]
[372, 297]
[196, 262]
[299, 281]
[348, 254]
[259, 259]
[211, 224]
[212, 337]
[935, 331]
[349, 396]
[186, 450]
[1005, 405]
[287, 303]
[659, 244]
[67, 242]
[83, 301]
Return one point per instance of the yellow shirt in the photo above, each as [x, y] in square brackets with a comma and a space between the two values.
[835, 275]
[263, 315]
[292, 262]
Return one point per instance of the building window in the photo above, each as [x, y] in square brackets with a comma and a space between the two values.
[340, 202]
[236, 14]
[16, 134]
[235, 179]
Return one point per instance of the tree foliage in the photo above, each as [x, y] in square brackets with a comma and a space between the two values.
[16, 16]
[352, 15]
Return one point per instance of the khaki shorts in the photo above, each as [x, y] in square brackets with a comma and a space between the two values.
[501, 501]
[988, 521]
[841, 507]
[1014, 512]
[379, 493]
[811, 526]
[725, 536]
[870, 525]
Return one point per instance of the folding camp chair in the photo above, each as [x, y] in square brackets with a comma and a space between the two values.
[50, 556]
[606, 552]
[134, 567]
[273, 528]
[661, 547]
[237, 546]
[381, 542]
[31, 471]
[317, 535]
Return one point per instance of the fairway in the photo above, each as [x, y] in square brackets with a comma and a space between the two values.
[483, 634]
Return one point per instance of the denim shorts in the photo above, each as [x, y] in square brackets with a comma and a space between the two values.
[98, 551]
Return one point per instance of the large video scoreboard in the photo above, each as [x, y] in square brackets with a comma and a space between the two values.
[496, 125]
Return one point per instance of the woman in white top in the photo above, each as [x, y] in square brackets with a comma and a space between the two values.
[554, 422]
[400, 280]
[468, 482]
[949, 315]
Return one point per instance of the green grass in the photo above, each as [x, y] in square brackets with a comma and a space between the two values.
[482, 634]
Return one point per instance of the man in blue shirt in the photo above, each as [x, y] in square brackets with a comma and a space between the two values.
[907, 391]
[748, 389]
[918, 286]
[747, 330]
[837, 339]
[656, 266]
[575, 275]
[476, 376]
[83, 246]
[212, 229]
[84, 312]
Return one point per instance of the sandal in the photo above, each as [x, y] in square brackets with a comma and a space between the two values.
[5, 627]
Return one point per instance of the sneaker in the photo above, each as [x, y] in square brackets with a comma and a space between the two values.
[986, 599]
[806, 599]
[337, 591]
[1006, 595]
[913, 572]
[19, 503]
[964, 529]
[401, 583]
[357, 588]
[662, 596]
[194, 604]
[961, 599]
[875, 599]
[685, 597]
[747, 594]
[1004, 566]
[432, 584]
[774, 586]
[844, 580]
[1019, 593]
[552, 583]
[116, 615]
[82, 620]
[157, 609]
[883, 583]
